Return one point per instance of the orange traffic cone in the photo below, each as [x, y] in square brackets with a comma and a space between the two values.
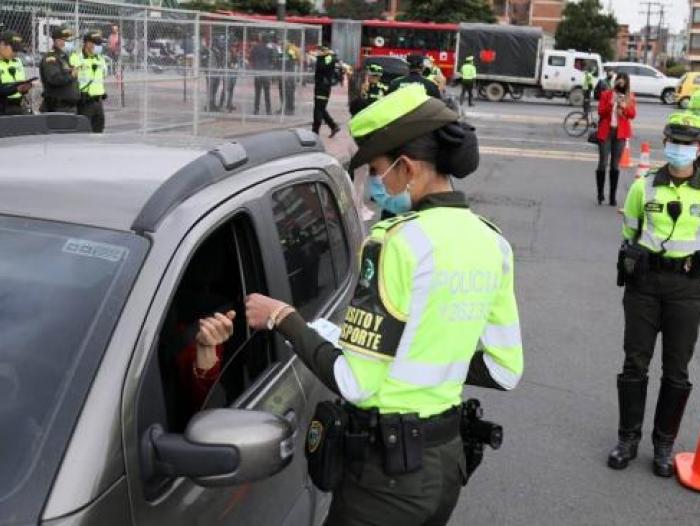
[644, 164]
[688, 468]
[626, 160]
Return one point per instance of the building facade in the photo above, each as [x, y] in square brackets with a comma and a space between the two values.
[693, 51]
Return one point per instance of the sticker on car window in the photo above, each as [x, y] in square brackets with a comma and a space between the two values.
[92, 249]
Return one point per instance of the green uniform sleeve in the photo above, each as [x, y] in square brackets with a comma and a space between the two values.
[54, 74]
[501, 339]
[634, 210]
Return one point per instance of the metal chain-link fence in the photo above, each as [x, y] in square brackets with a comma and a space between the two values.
[182, 70]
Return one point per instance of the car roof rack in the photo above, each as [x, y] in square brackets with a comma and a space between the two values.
[44, 124]
[220, 163]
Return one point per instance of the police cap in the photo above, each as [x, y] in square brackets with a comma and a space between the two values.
[11, 38]
[415, 61]
[375, 69]
[683, 127]
[93, 36]
[62, 33]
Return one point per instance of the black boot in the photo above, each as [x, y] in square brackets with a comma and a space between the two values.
[600, 183]
[614, 178]
[632, 395]
[667, 420]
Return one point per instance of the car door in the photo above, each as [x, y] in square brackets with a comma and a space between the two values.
[645, 78]
[554, 68]
[216, 265]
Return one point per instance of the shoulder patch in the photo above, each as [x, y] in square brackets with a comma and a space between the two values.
[50, 59]
[388, 224]
[489, 224]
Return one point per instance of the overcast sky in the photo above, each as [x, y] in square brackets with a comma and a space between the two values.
[628, 12]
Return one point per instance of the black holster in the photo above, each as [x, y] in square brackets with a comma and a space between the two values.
[476, 433]
[325, 452]
[632, 262]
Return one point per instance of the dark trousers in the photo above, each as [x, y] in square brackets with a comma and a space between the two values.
[230, 85]
[289, 94]
[262, 84]
[425, 498]
[321, 114]
[611, 149]
[467, 87]
[661, 302]
[56, 106]
[95, 113]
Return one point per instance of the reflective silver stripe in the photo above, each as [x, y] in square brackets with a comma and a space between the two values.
[501, 336]
[649, 195]
[422, 249]
[429, 374]
[630, 222]
[506, 251]
[650, 241]
[654, 243]
[501, 375]
[348, 386]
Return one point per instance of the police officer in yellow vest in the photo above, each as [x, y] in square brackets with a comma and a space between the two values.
[375, 89]
[58, 78]
[12, 75]
[434, 308]
[468, 73]
[91, 68]
[660, 264]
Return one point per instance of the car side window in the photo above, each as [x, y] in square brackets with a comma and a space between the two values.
[222, 271]
[644, 72]
[557, 61]
[313, 239]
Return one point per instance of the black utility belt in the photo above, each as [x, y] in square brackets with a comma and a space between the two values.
[635, 261]
[659, 263]
[87, 98]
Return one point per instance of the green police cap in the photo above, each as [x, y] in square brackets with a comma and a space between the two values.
[694, 103]
[469, 58]
[683, 126]
[375, 69]
[94, 37]
[400, 117]
[11, 38]
[62, 33]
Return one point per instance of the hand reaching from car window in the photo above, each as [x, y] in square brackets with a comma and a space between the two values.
[213, 331]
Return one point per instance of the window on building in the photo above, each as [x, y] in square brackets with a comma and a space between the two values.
[695, 42]
[314, 243]
[696, 15]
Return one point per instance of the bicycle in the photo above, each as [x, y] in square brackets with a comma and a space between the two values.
[578, 122]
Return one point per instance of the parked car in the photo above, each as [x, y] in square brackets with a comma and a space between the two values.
[108, 242]
[646, 81]
[687, 85]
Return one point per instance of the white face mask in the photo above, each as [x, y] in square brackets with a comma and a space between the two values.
[98, 50]
[68, 46]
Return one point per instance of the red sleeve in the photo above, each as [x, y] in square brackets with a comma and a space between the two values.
[631, 109]
[605, 105]
[196, 388]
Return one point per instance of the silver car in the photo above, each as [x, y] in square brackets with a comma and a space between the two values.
[110, 247]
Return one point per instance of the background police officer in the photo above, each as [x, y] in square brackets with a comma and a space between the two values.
[661, 267]
[374, 89]
[468, 73]
[91, 68]
[323, 81]
[421, 305]
[415, 76]
[58, 77]
[12, 89]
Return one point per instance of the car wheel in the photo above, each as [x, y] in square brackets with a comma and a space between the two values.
[683, 103]
[495, 92]
[668, 96]
[576, 97]
[516, 92]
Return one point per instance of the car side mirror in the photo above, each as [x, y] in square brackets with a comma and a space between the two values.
[220, 447]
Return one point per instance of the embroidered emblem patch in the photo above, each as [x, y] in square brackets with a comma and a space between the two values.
[314, 436]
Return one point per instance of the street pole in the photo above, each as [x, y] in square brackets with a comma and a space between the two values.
[648, 28]
[281, 9]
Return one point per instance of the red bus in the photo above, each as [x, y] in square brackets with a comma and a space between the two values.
[385, 37]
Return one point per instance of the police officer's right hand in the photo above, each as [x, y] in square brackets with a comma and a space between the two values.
[24, 88]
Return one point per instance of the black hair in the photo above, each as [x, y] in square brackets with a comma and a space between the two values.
[452, 150]
[626, 78]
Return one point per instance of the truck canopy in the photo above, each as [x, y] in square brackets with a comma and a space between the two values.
[514, 51]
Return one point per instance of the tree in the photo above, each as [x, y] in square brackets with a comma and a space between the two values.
[585, 27]
[454, 11]
[355, 9]
[260, 7]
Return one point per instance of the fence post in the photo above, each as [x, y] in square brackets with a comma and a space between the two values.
[283, 101]
[77, 19]
[195, 90]
[245, 51]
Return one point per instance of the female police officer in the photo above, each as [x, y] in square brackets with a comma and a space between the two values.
[660, 264]
[433, 283]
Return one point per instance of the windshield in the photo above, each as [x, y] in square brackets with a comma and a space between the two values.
[62, 288]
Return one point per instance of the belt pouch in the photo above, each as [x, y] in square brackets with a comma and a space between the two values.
[392, 444]
[324, 445]
[413, 442]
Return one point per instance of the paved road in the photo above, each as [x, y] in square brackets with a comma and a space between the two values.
[561, 421]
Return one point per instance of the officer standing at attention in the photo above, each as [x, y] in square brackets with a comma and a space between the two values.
[468, 73]
[91, 68]
[60, 80]
[415, 76]
[323, 81]
[421, 306]
[659, 264]
[11, 75]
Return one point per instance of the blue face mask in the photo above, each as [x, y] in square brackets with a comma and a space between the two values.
[680, 155]
[69, 46]
[396, 204]
[98, 50]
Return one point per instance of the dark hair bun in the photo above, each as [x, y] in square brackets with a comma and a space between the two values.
[459, 150]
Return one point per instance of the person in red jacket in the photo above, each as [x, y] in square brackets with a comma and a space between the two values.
[616, 109]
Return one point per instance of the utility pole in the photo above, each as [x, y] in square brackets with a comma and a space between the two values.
[281, 9]
[647, 29]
